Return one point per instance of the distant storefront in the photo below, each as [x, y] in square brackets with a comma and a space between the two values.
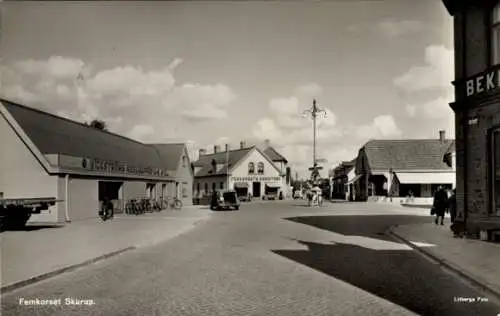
[247, 170]
[477, 112]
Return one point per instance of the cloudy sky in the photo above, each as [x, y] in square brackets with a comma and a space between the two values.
[221, 72]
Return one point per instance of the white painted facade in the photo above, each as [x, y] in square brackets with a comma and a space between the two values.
[271, 175]
[22, 176]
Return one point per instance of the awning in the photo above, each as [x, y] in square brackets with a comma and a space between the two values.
[356, 178]
[241, 185]
[426, 178]
[273, 186]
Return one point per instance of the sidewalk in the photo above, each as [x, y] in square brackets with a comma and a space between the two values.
[31, 255]
[474, 260]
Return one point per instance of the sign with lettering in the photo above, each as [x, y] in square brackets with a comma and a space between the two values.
[117, 167]
[255, 178]
[482, 83]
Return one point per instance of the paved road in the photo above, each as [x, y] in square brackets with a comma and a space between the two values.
[266, 259]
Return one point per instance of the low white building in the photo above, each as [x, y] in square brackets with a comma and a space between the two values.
[49, 156]
[247, 170]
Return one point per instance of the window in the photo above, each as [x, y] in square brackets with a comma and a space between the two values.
[213, 186]
[222, 185]
[206, 188]
[251, 168]
[495, 35]
[495, 174]
[198, 187]
[260, 168]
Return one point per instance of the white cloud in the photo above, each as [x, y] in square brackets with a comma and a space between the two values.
[411, 110]
[292, 133]
[437, 73]
[130, 92]
[435, 76]
[141, 132]
[394, 28]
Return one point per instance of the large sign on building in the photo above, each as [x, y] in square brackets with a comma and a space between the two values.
[108, 166]
[255, 178]
[482, 83]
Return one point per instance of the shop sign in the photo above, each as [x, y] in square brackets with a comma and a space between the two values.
[107, 166]
[482, 83]
[255, 178]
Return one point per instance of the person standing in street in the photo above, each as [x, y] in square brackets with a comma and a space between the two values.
[440, 205]
[453, 210]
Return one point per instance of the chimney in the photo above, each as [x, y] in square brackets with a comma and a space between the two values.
[267, 142]
[202, 152]
[442, 135]
[216, 149]
[227, 147]
[242, 145]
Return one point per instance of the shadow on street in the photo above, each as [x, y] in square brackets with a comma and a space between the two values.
[400, 276]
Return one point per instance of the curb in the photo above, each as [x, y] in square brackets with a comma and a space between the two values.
[17, 285]
[479, 285]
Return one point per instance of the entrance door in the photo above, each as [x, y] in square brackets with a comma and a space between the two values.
[256, 189]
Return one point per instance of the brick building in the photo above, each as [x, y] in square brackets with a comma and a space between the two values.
[477, 112]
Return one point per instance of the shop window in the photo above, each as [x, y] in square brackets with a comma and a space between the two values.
[496, 171]
[221, 185]
[260, 168]
[495, 35]
[206, 188]
[251, 168]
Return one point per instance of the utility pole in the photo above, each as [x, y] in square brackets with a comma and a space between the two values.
[314, 112]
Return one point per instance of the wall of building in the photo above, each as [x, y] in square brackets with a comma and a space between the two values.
[185, 173]
[83, 199]
[208, 180]
[134, 190]
[22, 176]
[476, 42]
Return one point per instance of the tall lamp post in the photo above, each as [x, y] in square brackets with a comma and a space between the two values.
[314, 112]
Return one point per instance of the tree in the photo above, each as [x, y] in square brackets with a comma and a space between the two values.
[98, 124]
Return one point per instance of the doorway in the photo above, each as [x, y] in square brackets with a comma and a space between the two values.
[256, 189]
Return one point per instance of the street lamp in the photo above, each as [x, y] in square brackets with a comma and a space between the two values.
[314, 112]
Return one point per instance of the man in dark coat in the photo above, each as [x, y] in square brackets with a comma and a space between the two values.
[440, 204]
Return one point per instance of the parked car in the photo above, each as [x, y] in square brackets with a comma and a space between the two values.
[270, 196]
[298, 195]
[225, 201]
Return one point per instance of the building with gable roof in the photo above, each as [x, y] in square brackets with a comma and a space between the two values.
[396, 169]
[343, 181]
[49, 156]
[247, 170]
[176, 159]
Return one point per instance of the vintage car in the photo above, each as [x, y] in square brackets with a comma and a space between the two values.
[224, 201]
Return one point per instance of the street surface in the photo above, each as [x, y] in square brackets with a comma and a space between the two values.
[269, 258]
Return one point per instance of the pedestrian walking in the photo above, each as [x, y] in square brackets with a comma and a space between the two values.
[440, 205]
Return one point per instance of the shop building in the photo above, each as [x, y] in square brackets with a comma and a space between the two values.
[247, 170]
[49, 156]
[175, 157]
[282, 163]
[342, 180]
[477, 112]
[396, 170]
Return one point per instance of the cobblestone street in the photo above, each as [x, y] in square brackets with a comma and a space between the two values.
[269, 258]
